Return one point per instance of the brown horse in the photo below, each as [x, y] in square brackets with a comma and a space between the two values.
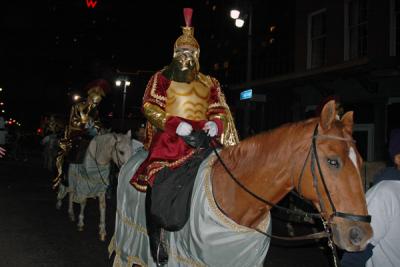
[271, 164]
[317, 158]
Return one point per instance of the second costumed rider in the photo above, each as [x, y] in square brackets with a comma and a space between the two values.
[177, 101]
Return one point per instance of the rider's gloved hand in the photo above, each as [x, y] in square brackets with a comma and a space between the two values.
[211, 128]
[184, 129]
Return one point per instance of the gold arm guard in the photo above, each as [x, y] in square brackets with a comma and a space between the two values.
[229, 137]
[155, 115]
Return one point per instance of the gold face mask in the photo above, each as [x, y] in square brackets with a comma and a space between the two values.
[94, 100]
[187, 59]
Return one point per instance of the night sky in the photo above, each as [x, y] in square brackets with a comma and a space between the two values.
[51, 48]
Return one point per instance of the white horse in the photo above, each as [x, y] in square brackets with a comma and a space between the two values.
[91, 178]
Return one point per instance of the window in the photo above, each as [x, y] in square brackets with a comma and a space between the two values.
[356, 29]
[394, 27]
[316, 44]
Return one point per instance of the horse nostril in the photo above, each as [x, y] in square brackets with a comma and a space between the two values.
[356, 235]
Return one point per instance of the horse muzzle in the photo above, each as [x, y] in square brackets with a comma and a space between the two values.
[351, 236]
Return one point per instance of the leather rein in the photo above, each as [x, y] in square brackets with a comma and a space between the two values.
[314, 160]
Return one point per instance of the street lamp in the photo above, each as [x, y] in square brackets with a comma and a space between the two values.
[126, 83]
[239, 22]
[76, 97]
[235, 14]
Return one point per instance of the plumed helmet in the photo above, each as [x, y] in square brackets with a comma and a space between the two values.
[394, 143]
[187, 40]
[100, 87]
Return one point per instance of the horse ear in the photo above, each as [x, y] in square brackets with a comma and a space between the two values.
[129, 133]
[348, 121]
[328, 115]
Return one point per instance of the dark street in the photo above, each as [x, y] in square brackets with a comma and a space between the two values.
[34, 233]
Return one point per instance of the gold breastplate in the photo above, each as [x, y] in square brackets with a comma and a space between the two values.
[187, 100]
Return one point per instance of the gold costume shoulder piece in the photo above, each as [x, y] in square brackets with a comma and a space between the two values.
[152, 94]
[230, 136]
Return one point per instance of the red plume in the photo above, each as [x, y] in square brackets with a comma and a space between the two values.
[187, 13]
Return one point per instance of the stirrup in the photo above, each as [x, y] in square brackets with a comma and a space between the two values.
[160, 246]
[164, 261]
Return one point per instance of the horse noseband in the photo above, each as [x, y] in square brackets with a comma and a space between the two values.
[352, 217]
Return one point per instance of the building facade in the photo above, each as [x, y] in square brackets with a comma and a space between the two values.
[348, 49]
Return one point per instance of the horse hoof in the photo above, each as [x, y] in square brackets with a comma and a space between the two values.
[58, 205]
[80, 228]
[72, 218]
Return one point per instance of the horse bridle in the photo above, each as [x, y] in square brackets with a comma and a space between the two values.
[119, 161]
[314, 158]
[97, 164]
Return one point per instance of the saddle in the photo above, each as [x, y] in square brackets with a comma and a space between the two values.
[172, 189]
[78, 149]
[168, 200]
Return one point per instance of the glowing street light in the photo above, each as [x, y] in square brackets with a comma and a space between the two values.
[76, 97]
[235, 14]
[126, 83]
[239, 23]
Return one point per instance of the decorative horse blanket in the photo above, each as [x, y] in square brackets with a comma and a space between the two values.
[88, 180]
[209, 238]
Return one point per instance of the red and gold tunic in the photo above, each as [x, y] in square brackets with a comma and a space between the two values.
[166, 104]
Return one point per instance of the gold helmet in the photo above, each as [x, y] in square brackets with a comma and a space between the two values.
[98, 87]
[187, 40]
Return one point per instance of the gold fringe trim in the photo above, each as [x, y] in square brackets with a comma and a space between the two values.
[160, 100]
[130, 223]
[186, 261]
[167, 164]
[214, 208]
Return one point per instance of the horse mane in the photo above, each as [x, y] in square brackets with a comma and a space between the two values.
[99, 143]
[270, 146]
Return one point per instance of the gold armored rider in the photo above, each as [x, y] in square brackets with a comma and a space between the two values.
[84, 124]
[178, 100]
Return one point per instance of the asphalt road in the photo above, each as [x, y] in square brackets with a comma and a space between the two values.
[33, 233]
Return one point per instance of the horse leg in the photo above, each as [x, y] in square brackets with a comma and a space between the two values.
[81, 216]
[71, 207]
[102, 225]
[60, 195]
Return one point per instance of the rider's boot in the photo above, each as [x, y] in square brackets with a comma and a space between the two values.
[157, 244]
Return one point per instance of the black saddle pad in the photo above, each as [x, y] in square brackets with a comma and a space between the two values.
[172, 189]
[78, 149]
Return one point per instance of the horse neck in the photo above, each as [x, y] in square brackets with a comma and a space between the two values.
[100, 149]
[263, 165]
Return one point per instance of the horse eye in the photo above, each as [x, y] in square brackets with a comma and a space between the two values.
[333, 163]
[121, 152]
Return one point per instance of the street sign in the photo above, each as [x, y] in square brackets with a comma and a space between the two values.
[247, 94]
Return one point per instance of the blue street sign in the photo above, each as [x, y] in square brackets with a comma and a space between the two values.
[246, 94]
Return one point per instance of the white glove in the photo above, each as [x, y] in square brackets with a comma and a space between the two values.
[211, 128]
[184, 129]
